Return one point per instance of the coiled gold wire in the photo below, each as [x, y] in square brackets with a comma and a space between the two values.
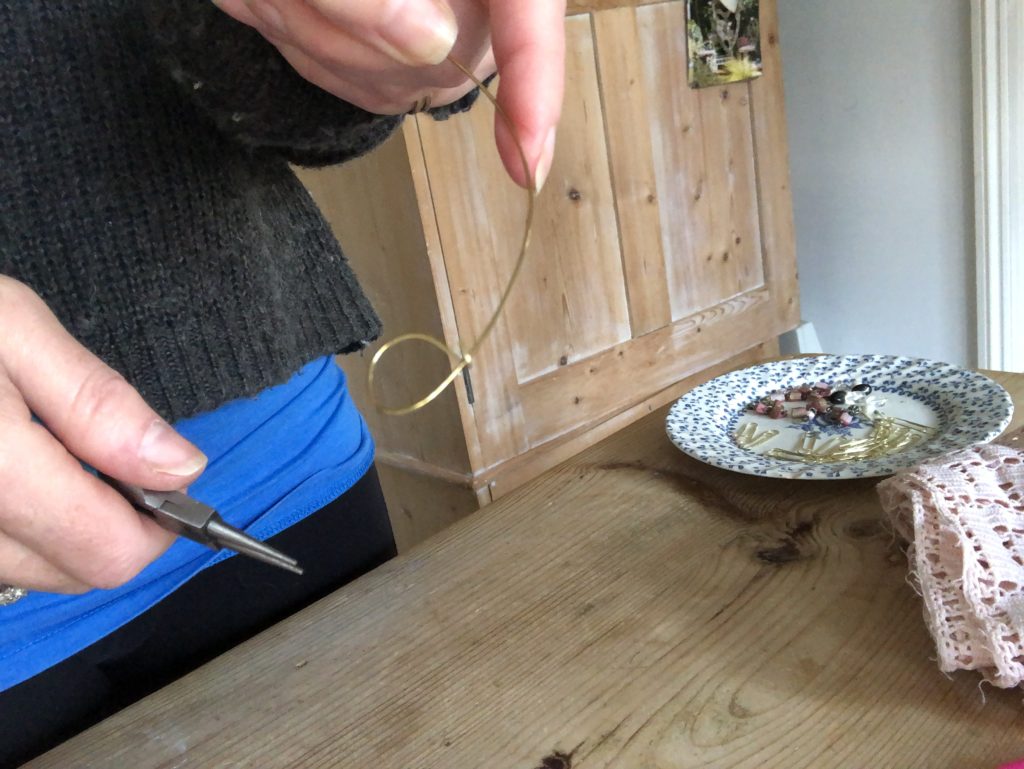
[463, 357]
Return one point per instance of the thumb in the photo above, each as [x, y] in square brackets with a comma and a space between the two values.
[414, 32]
[91, 409]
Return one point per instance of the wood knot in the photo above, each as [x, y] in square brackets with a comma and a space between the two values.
[651, 198]
[575, 195]
[865, 529]
[563, 360]
[556, 760]
[789, 549]
[784, 553]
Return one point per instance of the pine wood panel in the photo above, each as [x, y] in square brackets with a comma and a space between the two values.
[703, 151]
[587, 6]
[735, 246]
[588, 391]
[774, 198]
[638, 212]
[632, 608]
[512, 474]
[677, 147]
[570, 300]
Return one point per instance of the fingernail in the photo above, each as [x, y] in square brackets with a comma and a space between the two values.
[268, 14]
[547, 154]
[167, 452]
[423, 37]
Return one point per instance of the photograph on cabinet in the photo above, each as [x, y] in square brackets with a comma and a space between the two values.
[724, 39]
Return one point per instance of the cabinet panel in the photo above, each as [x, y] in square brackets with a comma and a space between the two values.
[663, 246]
[732, 256]
[685, 176]
[635, 182]
[706, 176]
[570, 301]
[647, 261]
[607, 383]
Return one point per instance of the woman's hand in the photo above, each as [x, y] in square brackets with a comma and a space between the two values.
[61, 529]
[388, 55]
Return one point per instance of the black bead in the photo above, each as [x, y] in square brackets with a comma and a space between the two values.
[837, 398]
[863, 388]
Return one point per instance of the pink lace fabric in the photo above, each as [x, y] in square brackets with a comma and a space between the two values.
[963, 518]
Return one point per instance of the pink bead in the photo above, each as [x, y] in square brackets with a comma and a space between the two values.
[1014, 765]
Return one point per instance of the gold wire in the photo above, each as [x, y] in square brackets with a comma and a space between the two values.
[888, 436]
[464, 359]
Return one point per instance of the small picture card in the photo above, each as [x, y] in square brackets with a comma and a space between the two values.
[724, 40]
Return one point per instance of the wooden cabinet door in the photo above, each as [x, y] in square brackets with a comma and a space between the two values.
[663, 241]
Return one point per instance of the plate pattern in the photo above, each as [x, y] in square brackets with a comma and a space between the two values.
[970, 408]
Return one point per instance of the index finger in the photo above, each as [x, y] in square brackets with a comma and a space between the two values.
[528, 37]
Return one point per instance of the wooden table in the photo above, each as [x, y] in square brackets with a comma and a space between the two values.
[632, 608]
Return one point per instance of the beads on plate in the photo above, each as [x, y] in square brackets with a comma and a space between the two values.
[821, 401]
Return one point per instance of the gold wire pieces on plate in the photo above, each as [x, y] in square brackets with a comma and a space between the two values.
[747, 437]
[463, 357]
[888, 436]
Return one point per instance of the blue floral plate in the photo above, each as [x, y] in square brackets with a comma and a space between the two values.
[946, 407]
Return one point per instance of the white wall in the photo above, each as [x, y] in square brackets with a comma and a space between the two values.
[878, 101]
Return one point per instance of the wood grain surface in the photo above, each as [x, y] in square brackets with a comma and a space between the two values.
[588, 6]
[631, 608]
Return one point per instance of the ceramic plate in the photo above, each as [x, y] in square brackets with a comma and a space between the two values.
[943, 407]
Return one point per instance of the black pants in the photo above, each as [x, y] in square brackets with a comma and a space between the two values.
[217, 609]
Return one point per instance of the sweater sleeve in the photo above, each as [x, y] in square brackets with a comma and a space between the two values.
[242, 83]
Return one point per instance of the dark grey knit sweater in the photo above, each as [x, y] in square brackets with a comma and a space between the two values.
[146, 195]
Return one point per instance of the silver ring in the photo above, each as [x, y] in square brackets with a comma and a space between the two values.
[422, 105]
[9, 594]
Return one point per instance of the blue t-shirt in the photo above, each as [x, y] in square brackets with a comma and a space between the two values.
[273, 460]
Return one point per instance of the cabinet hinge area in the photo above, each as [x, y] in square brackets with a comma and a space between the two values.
[469, 385]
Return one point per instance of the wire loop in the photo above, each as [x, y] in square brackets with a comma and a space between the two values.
[464, 356]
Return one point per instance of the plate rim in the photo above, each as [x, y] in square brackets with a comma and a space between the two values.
[794, 471]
